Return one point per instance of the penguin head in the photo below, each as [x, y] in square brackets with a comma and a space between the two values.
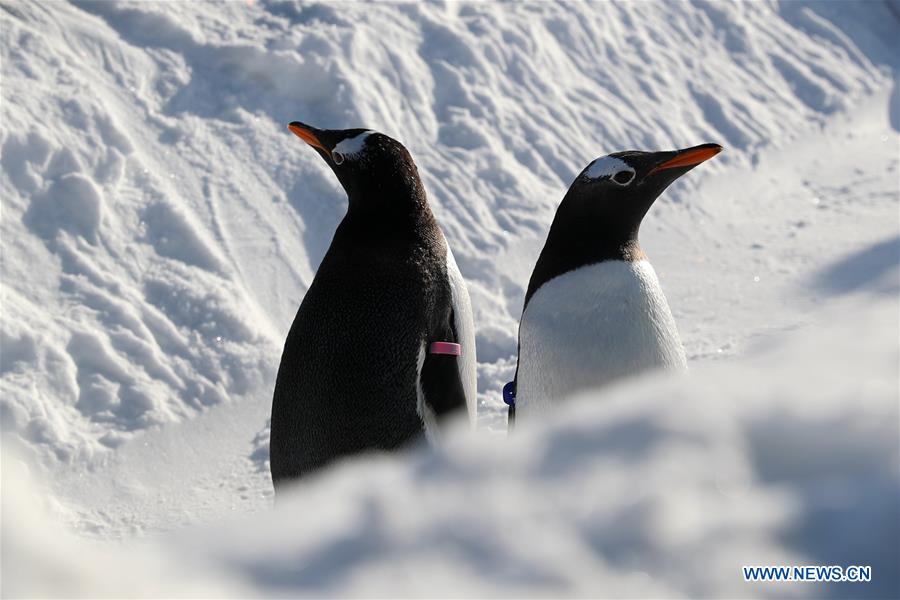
[600, 216]
[614, 192]
[376, 171]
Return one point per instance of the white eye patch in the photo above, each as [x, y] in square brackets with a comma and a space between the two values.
[607, 166]
[350, 147]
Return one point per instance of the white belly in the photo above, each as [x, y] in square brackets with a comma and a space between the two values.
[590, 327]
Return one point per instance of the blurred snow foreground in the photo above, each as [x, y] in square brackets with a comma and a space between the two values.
[665, 488]
[160, 227]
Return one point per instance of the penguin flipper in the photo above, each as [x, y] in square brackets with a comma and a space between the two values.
[449, 382]
[442, 385]
[463, 326]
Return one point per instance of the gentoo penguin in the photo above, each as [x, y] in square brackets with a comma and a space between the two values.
[594, 310]
[382, 348]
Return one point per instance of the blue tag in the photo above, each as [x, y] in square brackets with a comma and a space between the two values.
[509, 393]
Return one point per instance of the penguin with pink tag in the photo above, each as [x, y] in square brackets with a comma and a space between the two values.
[382, 350]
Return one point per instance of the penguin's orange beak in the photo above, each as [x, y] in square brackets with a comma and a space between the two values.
[305, 133]
[689, 157]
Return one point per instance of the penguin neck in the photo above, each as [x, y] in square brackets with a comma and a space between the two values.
[399, 193]
[388, 218]
[391, 184]
[573, 243]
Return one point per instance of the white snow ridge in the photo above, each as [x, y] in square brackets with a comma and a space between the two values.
[160, 227]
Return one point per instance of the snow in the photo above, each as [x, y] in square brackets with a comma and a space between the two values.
[160, 226]
[659, 489]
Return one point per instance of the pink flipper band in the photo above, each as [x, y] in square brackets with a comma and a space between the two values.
[445, 348]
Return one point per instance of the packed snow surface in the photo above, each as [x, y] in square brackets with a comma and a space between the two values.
[160, 226]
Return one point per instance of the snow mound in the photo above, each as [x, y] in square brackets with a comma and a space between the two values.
[660, 489]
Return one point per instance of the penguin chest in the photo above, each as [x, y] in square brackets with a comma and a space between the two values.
[592, 326]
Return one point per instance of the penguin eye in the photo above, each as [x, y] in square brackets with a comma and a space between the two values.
[623, 177]
[337, 157]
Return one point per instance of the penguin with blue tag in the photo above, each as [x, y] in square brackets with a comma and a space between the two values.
[382, 349]
[594, 311]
